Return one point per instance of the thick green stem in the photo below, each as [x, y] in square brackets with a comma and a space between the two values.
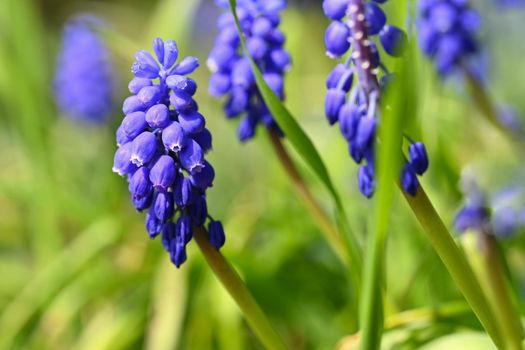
[455, 262]
[498, 292]
[348, 252]
[238, 291]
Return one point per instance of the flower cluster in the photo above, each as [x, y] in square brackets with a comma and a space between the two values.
[83, 79]
[447, 32]
[231, 71]
[162, 142]
[503, 215]
[356, 107]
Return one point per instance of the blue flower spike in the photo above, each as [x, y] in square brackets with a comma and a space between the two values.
[355, 106]
[83, 82]
[162, 143]
[232, 75]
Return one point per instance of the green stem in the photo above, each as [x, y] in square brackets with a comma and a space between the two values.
[455, 262]
[499, 293]
[238, 291]
[482, 100]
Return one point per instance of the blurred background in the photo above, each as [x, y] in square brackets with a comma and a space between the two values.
[77, 268]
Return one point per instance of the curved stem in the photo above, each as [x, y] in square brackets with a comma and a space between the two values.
[485, 104]
[347, 252]
[455, 262]
[238, 291]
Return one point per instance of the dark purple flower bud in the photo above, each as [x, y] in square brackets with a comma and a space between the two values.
[393, 39]
[182, 102]
[355, 152]
[184, 229]
[237, 103]
[186, 66]
[277, 38]
[340, 77]
[145, 65]
[470, 21]
[219, 84]
[173, 137]
[171, 53]
[216, 234]
[139, 184]
[121, 162]
[143, 148]
[178, 253]
[228, 36]
[158, 48]
[418, 157]
[153, 225]
[349, 120]
[246, 128]
[203, 179]
[409, 179]
[366, 181]
[199, 210]
[192, 122]
[428, 39]
[158, 116]
[204, 139]
[134, 124]
[449, 51]
[257, 47]
[181, 83]
[336, 39]
[221, 58]
[335, 99]
[365, 133]
[183, 191]
[168, 234]
[136, 84]
[191, 157]
[149, 95]
[163, 173]
[375, 18]
[132, 104]
[163, 206]
[142, 203]
[335, 9]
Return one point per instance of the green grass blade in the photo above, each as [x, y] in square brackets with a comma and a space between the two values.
[388, 157]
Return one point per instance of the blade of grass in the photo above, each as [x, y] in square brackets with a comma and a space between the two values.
[52, 277]
[388, 157]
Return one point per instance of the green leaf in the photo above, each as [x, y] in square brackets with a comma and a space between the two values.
[389, 159]
[304, 147]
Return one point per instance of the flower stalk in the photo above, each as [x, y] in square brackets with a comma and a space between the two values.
[455, 262]
[229, 278]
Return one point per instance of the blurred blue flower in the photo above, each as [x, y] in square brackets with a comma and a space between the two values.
[232, 75]
[356, 107]
[162, 141]
[83, 83]
[503, 215]
[447, 32]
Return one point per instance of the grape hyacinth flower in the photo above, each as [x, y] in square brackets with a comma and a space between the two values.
[232, 75]
[83, 84]
[161, 146]
[503, 215]
[356, 108]
[447, 32]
